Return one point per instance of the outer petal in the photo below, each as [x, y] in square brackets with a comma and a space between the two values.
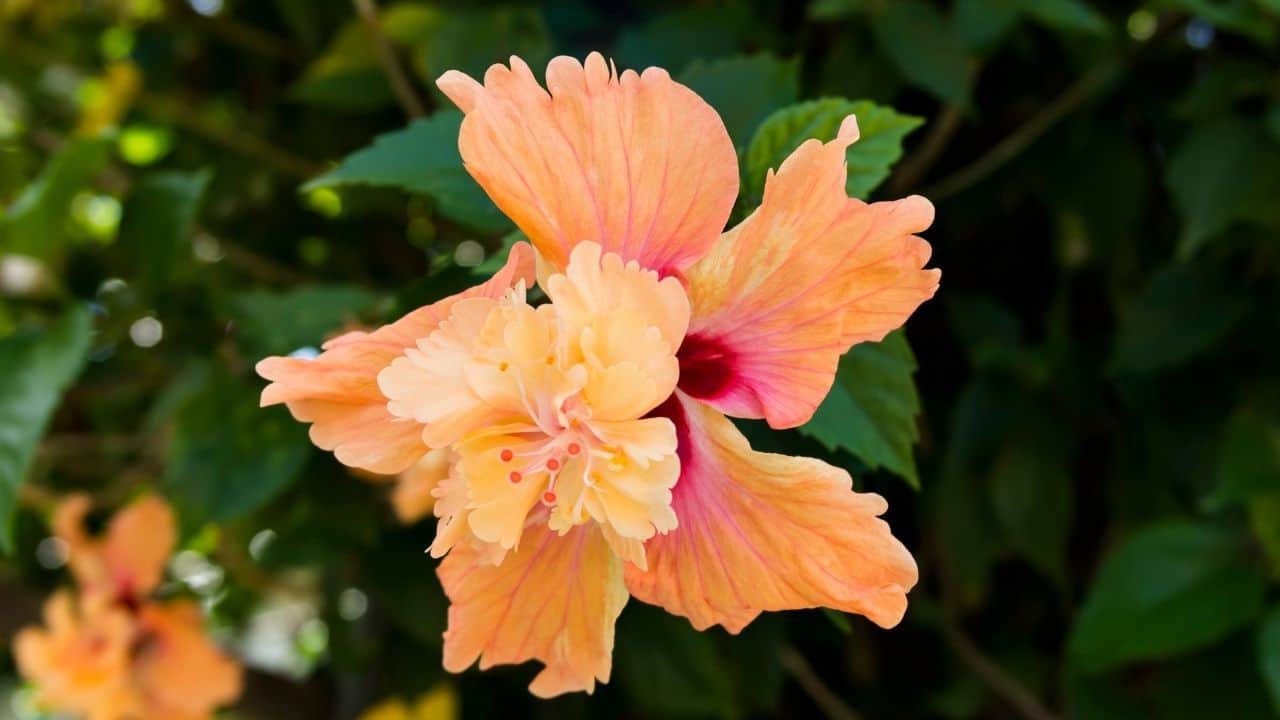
[637, 163]
[811, 272]
[128, 561]
[179, 671]
[338, 391]
[760, 531]
[413, 496]
[555, 600]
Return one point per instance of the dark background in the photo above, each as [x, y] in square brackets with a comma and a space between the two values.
[1087, 466]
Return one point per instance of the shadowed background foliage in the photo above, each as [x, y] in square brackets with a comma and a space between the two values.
[1079, 436]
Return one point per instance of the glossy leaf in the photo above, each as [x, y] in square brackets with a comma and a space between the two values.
[1164, 591]
[38, 367]
[1224, 172]
[35, 223]
[278, 323]
[871, 411]
[918, 40]
[870, 159]
[227, 456]
[158, 219]
[421, 158]
[744, 89]
[1181, 314]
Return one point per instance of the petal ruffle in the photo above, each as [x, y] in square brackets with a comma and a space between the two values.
[635, 162]
[760, 532]
[554, 599]
[338, 393]
[783, 295]
[128, 560]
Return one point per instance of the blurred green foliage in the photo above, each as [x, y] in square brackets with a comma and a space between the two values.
[1079, 437]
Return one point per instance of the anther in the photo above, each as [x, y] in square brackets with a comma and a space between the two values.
[574, 448]
[506, 455]
[553, 464]
[515, 476]
[548, 497]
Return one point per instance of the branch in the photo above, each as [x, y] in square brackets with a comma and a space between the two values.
[917, 165]
[1005, 686]
[387, 56]
[1002, 152]
[822, 696]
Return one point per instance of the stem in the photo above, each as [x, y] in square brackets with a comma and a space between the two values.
[1005, 686]
[1002, 152]
[917, 165]
[387, 56]
[826, 699]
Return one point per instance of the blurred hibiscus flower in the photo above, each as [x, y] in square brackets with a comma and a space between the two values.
[113, 652]
[584, 451]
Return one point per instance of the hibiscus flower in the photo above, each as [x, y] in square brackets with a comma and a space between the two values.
[590, 456]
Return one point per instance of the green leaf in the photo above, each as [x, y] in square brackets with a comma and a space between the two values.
[422, 158]
[35, 223]
[472, 40]
[744, 89]
[277, 323]
[871, 411]
[1068, 15]
[347, 76]
[835, 9]
[158, 218]
[228, 456]
[38, 367]
[919, 41]
[1167, 590]
[1248, 462]
[668, 669]
[983, 24]
[882, 130]
[1241, 16]
[1180, 315]
[679, 37]
[1031, 493]
[1269, 654]
[1224, 172]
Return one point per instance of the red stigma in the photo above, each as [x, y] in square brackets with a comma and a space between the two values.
[553, 464]
[548, 497]
[515, 476]
[574, 448]
[506, 455]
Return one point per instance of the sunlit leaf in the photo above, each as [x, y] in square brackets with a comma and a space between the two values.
[871, 411]
[37, 368]
[35, 224]
[880, 144]
[421, 158]
[1248, 458]
[1165, 591]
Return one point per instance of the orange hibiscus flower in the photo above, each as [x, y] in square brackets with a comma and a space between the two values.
[589, 456]
[113, 653]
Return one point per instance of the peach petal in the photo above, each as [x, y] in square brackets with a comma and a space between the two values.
[128, 561]
[338, 392]
[554, 599]
[179, 672]
[635, 162]
[783, 295]
[760, 531]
